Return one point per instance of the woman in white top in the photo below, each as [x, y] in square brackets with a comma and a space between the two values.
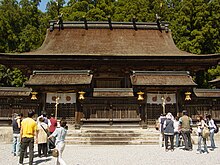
[176, 131]
[212, 128]
[60, 135]
[200, 126]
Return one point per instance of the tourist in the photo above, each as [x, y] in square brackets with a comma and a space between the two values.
[169, 131]
[176, 131]
[60, 134]
[16, 126]
[52, 122]
[44, 115]
[212, 129]
[41, 137]
[200, 126]
[28, 129]
[185, 123]
[161, 120]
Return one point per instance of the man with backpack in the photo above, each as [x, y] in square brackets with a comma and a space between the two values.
[185, 126]
[16, 125]
[213, 128]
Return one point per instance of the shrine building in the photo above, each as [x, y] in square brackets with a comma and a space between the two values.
[110, 72]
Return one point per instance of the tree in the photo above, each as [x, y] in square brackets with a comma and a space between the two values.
[11, 77]
[125, 10]
[31, 26]
[53, 9]
[21, 25]
[194, 26]
[9, 25]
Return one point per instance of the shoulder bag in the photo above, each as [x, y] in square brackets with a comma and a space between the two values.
[55, 152]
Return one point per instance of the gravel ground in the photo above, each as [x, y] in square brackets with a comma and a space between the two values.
[119, 155]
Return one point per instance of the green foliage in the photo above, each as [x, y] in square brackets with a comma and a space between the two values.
[11, 77]
[196, 26]
[9, 25]
[213, 73]
[20, 23]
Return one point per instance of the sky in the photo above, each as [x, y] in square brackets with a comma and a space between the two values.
[43, 4]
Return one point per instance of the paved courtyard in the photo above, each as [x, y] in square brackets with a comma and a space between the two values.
[119, 155]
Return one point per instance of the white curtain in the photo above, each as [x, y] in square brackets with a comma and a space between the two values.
[63, 98]
[157, 98]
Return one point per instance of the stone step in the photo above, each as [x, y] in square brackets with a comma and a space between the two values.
[112, 136]
[95, 130]
[107, 126]
[134, 142]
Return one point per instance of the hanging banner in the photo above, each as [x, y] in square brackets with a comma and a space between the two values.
[63, 98]
[158, 98]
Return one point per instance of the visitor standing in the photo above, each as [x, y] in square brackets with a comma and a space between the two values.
[44, 115]
[60, 135]
[52, 122]
[176, 131]
[41, 137]
[16, 125]
[169, 131]
[212, 128]
[185, 123]
[28, 130]
[200, 126]
[161, 120]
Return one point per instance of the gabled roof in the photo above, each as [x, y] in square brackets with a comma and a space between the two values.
[14, 91]
[146, 39]
[161, 78]
[207, 93]
[64, 77]
[217, 80]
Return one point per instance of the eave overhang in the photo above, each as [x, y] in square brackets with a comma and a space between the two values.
[14, 91]
[162, 78]
[210, 93]
[59, 78]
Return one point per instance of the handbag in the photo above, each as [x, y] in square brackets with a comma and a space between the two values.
[205, 132]
[55, 152]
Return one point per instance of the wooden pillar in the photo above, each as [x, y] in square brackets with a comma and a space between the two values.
[110, 114]
[78, 114]
[142, 111]
[177, 103]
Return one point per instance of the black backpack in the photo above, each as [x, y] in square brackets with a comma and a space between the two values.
[217, 129]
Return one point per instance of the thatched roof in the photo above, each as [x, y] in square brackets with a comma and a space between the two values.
[14, 91]
[216, 82]
[162, 78]
[70, 77]
[123, 40]
[207, 92]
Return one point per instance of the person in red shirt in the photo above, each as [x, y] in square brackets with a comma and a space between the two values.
[52, 123]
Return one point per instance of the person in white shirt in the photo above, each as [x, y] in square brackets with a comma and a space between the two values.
[212, 128]
[60, 134]
[176, 131]
[200, 126]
